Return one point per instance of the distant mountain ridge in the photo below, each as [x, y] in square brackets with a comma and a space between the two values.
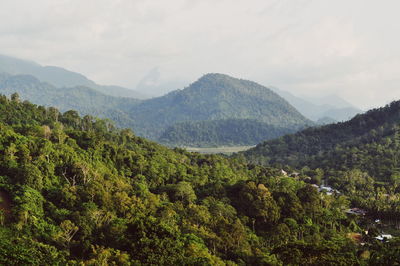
[212, 97]
[313, 109]
[60, 77]
[85, 100]
[331, 106]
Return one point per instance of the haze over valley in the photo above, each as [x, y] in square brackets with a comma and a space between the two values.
[217, 101]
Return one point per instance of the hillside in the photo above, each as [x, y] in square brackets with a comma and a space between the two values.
[369, 143]
[60, 77]
[85, 100]
[215, 97]
[360, 158]
[82, 192]
[226, 132]
[317, 144]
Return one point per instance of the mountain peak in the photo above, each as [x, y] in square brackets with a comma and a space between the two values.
[217, 96]
[216, 79]
[216, 76]
[220, 77]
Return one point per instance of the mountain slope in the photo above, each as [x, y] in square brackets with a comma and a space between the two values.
[214, 97]
[225, 132]
[85, 100]
[369, 141]
[60, 77]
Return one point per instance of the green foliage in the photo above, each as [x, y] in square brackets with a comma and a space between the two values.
[83, 192]
[216, 97]
[368, 141]
[225, 132]
[359, 158]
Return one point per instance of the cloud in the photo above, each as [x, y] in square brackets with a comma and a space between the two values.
[304, 46]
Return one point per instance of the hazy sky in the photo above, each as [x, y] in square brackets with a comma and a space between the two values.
[347, 47]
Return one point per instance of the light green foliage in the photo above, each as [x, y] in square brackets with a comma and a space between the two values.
[359, 157]
[87, 193]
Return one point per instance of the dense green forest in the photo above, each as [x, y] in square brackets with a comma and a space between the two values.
[225, 132]
[213, 97]
[75, 190]
[318, 143]
[360, 158]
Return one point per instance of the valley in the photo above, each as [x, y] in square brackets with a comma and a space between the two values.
[236, 112]
[250, 175]
[78, 187]
[215, 150]
[199, 133]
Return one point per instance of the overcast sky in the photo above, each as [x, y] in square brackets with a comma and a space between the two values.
[308, 47]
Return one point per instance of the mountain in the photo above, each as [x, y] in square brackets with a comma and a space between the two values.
[225, 132]
[215, 97]
[331, 106]
[83, 99]
[369, 142]
[60, 77]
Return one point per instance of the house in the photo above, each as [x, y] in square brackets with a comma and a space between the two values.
[294, 174]
[384, 237]
[328, 190]
[356, 211]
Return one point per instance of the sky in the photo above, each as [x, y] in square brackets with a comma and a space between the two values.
[308, 47]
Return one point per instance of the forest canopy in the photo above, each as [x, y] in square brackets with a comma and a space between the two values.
[77, 190]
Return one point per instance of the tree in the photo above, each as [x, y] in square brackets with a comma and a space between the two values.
[182, 191]
[15, 97]
[67, 231]
[257, 202]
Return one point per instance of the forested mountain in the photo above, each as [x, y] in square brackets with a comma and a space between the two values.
[298, 149]
[215, 97]
[77, 191]
[359, 157]
[332, 106]
[84, 100]
[60, 77]
[225, 132]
